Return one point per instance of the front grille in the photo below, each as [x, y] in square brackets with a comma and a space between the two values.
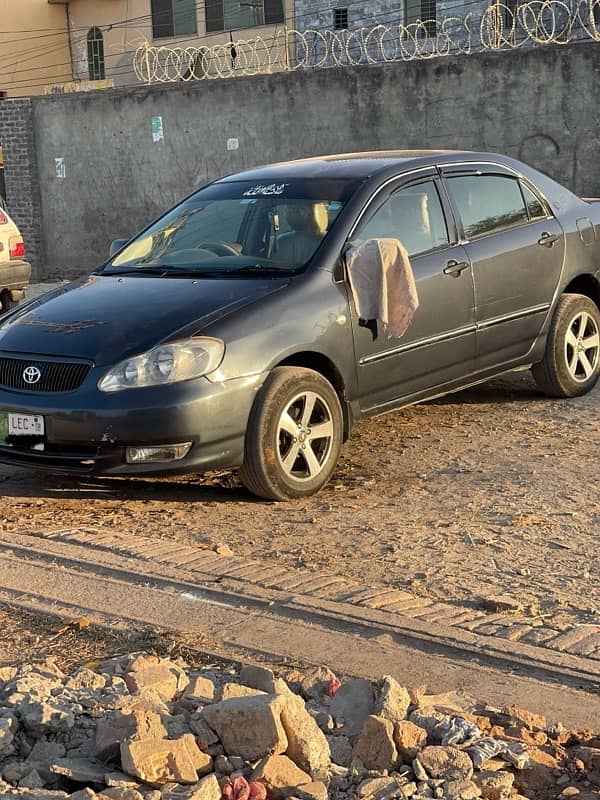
[56, 376]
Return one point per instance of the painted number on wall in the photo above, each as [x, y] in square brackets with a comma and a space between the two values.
[59, 166]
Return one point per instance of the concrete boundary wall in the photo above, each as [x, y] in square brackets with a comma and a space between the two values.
[538, 104]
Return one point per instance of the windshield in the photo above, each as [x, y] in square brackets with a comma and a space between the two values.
[239, 227]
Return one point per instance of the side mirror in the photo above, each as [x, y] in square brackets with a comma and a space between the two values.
[339, 270]
[116, 245]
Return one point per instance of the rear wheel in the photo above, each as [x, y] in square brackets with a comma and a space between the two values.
[294, 435]
[7, 302]
[571, 363]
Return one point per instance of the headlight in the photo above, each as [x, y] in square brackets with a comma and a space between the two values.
[167, 363]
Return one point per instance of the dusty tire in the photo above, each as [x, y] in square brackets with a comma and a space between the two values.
[294, 435]
[571, 363]
[7, 303]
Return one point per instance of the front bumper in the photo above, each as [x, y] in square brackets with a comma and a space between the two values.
[87, 431]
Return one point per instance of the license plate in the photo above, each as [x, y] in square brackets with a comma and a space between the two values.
[12, 424]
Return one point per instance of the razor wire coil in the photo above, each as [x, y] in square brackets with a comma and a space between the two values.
[498, 27]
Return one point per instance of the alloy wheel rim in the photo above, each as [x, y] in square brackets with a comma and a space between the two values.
[582, 347]
[305, 436]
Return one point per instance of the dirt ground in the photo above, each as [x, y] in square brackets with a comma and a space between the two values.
[26, 637]
[493, 490]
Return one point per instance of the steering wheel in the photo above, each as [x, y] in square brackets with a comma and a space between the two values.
[219, 248]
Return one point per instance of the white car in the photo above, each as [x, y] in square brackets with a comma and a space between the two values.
[14, 270]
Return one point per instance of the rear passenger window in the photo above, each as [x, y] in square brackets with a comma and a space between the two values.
[534, 206]
[488, 203]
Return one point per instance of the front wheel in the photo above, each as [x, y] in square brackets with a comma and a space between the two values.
[294, 435]
[571, 363]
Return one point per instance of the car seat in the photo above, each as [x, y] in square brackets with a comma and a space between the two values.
[411, 214]
[308, 223]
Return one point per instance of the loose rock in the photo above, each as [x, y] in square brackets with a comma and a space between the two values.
[448, 763]
[494, 785]
[502, 604]
[410, 740]
[230, 690]
[375, 744]
[261, 678]
[353, 703]
[158, 761]
[206, 789]
[393, 700]
[461, 790]
[280, 775]
[340, 749]
[379, 789]
[200, 690]
[311, 791]
[249, 727]
[159, 677]
[307, 745]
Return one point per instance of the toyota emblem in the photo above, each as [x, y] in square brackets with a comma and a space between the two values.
[31, 375]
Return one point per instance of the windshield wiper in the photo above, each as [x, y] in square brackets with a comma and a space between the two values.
[161, 271]
[175, 271]
[258, 269]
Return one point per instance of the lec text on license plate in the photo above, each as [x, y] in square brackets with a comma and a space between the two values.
[12, 424]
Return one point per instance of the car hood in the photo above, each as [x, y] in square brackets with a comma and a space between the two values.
[105, 319]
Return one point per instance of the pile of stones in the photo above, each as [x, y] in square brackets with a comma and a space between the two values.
[146, 728]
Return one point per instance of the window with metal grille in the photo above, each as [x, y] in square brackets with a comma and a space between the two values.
[510, 15]
[225, 15]
[424, 12]
[340, 19]
[95, 54]
[173, 18]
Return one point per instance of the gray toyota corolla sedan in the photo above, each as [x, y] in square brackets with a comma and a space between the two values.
[225, 335]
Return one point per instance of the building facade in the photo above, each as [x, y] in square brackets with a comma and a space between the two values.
[47, 46]
[34, 46]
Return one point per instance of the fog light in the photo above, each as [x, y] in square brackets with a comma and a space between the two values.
[157, 455]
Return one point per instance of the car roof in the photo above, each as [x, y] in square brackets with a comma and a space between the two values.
[357, 166]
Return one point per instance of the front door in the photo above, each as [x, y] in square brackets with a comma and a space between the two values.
[439, 346]
[516, 248]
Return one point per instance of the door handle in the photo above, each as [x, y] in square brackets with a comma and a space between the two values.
[454, 268]
[548, 239]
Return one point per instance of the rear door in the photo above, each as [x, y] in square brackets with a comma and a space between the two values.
[516, 248]
[439, 345]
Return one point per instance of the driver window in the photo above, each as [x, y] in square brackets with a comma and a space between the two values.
[413, 215]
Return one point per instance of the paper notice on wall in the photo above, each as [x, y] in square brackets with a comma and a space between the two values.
[59, 166]
[158, 134]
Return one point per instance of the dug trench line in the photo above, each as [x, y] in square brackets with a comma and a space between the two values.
[55, 575]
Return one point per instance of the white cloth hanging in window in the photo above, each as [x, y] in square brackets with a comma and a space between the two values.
[383, 285]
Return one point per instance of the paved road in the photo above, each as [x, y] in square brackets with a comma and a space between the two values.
[120, 583]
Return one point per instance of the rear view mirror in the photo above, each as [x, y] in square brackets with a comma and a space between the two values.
[116, 245]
